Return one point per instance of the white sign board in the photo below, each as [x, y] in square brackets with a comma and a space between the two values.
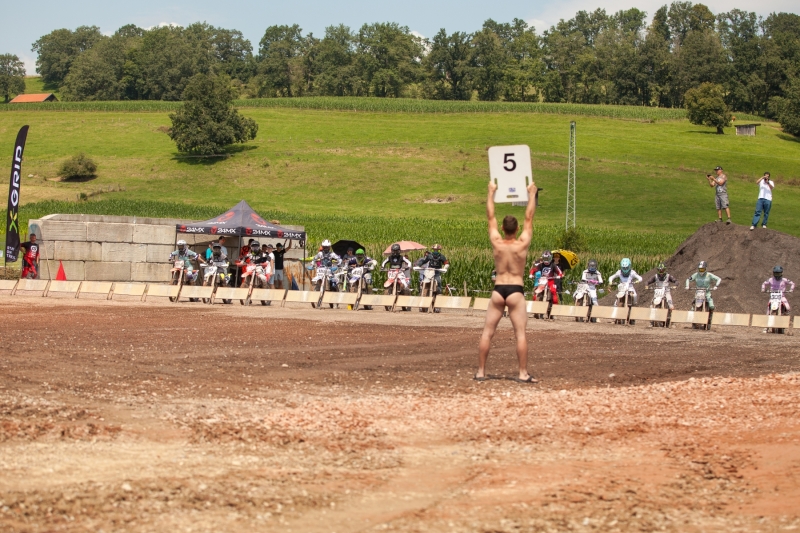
[510, 168]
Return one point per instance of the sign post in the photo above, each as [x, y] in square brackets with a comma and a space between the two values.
[510, 168]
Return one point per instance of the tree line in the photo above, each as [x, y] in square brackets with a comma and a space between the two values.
[594, 57]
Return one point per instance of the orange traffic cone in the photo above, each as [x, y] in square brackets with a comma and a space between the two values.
[61, 275]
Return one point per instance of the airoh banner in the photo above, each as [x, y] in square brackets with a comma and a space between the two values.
[12, 218]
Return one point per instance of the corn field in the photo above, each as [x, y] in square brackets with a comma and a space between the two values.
[384, 105]
[465, 242]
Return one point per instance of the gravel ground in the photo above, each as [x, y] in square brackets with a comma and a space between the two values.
[153, 417]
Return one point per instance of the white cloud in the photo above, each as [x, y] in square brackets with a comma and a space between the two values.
[540, 25]
[163, 24]
[30, 63]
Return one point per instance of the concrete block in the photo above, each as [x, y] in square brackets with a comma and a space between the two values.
[152, 234]
[154, 272]
[108, 271]
[107, 232]
[159, 253]
[73, 251]
[124, 252]
[74, 270]
[63, 231]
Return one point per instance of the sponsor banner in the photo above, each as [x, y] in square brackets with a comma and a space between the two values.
[217, 230]
[12, 218]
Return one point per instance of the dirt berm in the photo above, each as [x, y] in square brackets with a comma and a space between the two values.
[742, 258]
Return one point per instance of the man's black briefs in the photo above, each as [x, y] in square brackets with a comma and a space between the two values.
[507, 290]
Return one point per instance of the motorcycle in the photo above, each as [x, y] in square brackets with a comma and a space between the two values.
[625, 298]
[660, 292]
[216, 275]
[700, 304]
[583, 297]
[542, 294]
[428, 285]
[359, 282]
[178, 277]
[396, 283]
[776, 308]
[254, 273]
[323, 280]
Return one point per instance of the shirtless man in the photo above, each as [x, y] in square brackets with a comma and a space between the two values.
[510, 256]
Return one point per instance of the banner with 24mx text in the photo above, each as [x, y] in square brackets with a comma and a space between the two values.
[12, 219]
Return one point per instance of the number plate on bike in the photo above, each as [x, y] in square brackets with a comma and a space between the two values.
[510, 168]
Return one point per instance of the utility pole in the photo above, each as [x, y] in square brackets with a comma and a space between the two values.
[571, 178]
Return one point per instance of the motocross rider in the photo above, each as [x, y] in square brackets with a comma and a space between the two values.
[593, 278]
[778, 283]
[437, 260]
[397, 261]
[257, 257]
[662, 280]
[702, 280]
[187, 256]
[220, 260]
[626, 275]
[360, 259]
[328, 258]
[547, 268]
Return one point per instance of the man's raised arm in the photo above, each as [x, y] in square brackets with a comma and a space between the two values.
[527, 227]
[493, 232]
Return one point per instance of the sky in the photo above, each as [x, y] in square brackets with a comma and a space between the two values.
[25, 25]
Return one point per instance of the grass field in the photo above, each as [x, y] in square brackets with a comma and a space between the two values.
[368, 175]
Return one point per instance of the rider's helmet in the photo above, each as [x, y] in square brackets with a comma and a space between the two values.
[701, 268]
[662, 268]
[326, 246]
[360, 256]
[395, 249]
[216, 249]
[182, 246]
[777, 272]
[592, 266]
[547, 258]
[625, 266]
[255, 247]
[437, 250]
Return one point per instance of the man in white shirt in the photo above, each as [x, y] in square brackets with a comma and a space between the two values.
[764, 203]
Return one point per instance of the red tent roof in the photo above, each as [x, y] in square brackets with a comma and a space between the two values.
[33, 98]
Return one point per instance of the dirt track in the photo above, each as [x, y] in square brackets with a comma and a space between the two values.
[131, 417]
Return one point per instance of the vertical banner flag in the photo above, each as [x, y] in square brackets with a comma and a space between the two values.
[12, 219]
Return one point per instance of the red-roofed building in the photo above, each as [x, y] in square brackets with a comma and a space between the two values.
[34, 98]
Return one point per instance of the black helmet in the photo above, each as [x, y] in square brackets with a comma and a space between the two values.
[592, 266]
[395, 248]
[255, 247]
[777, 272]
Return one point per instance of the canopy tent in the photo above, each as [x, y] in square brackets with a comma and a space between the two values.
[240, 221]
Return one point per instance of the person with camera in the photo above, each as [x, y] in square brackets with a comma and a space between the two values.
[720, 182]
[764, 202]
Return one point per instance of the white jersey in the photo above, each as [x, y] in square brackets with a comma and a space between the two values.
[631, 277]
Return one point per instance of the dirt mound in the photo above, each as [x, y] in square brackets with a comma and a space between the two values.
[742, 258]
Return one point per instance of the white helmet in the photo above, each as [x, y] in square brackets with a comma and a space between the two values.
[182, 245]
[326, 246]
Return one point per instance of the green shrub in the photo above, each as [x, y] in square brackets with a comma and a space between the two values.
[78, 166]
[573, 240]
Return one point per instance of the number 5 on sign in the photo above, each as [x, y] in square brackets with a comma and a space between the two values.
[510, 168]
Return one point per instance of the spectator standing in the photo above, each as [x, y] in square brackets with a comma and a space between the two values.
[720, 183]
[278, 277]
[764, 202]
[270, 265]
[30, 259]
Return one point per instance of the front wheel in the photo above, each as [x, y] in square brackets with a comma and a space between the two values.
[389, 292]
